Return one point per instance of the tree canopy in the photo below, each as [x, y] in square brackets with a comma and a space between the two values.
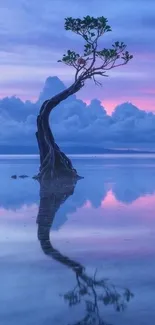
[93, 61]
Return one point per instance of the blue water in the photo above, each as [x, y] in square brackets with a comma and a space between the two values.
[107, 224]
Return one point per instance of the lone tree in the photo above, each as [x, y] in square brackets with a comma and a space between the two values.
[91, 63]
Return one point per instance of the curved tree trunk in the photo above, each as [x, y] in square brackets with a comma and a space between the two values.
[53, 162]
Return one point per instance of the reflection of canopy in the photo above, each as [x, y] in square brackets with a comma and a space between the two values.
[94, 292]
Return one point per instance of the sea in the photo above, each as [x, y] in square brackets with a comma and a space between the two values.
[98, 264]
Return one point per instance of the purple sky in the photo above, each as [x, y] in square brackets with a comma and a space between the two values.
[33, 39]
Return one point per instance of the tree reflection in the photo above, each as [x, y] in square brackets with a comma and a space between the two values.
[93, 291]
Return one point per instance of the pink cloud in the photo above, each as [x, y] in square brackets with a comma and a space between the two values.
[147, 103]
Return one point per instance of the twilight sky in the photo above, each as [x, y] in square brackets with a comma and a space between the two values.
[33, 39]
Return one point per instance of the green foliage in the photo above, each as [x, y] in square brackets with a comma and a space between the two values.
[108, 54]
[91, 29]
[87, 49]
[70, 57]
[88, 27]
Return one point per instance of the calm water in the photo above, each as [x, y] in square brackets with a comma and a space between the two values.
[107, 225]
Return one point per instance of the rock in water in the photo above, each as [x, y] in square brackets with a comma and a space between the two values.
[14, 176]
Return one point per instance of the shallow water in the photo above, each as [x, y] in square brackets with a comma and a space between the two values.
[107, 224]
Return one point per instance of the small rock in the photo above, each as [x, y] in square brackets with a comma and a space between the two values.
[35, 177]
[14, 176]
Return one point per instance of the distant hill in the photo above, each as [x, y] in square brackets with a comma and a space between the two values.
[101, 150]
[27, 150]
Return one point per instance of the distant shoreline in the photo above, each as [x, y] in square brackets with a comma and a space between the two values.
[73, 151]
[93, 156]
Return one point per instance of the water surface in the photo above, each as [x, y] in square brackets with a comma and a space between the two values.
[108, 225]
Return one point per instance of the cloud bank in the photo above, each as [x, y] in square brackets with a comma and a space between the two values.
[76, 124]
[33, 39]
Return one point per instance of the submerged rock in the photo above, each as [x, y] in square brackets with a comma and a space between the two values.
[21, 176]
[35, 177]
[14, 176]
